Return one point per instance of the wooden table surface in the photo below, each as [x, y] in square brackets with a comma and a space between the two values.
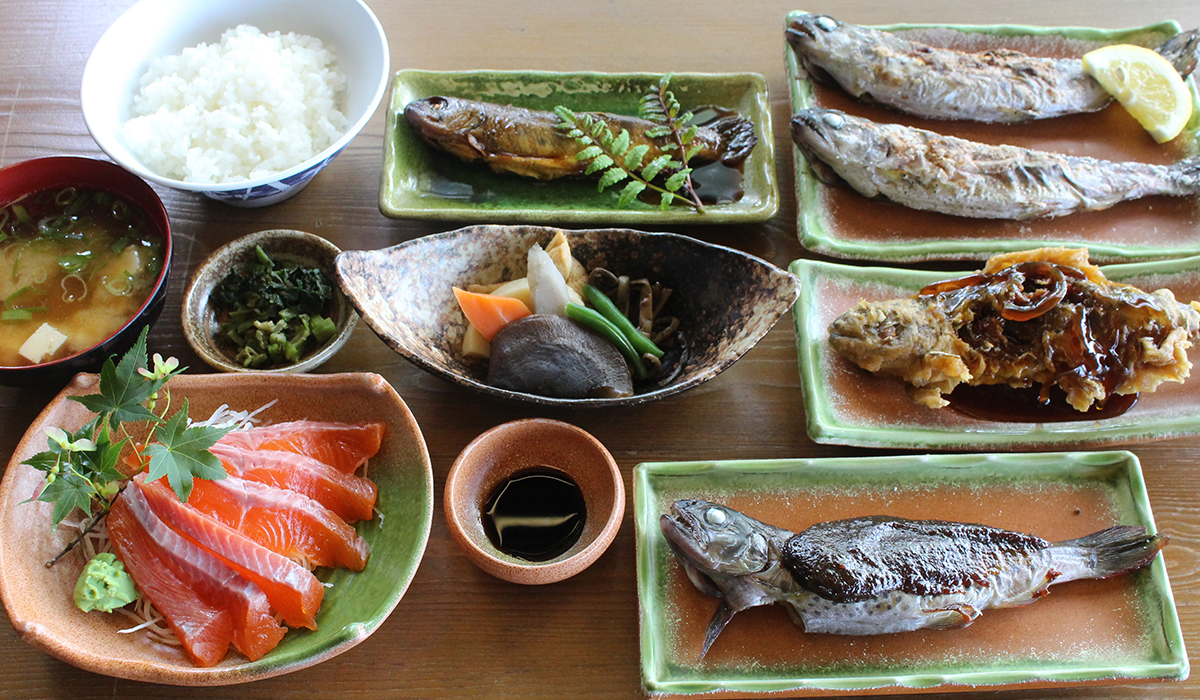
[458, 632]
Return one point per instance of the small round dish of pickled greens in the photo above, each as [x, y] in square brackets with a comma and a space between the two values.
[267, 302]
[576, 318]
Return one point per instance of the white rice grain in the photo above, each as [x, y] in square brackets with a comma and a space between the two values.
[252, 105]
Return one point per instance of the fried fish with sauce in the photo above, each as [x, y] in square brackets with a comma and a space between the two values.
[1000, 85]
[1039, 318]
[528, 142]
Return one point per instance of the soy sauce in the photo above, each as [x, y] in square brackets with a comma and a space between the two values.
[1000, 402]
[536, 514]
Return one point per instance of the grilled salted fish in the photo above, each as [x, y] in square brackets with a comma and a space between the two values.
[924, 170]
[1039, 318]
[1000, 85]
[880, 574]
[528, 142]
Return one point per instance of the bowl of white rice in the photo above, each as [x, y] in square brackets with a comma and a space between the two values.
[243, 101]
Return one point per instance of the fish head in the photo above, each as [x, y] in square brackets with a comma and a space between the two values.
[444, 121]
[808, 32]
[718, 541]
[832, 136]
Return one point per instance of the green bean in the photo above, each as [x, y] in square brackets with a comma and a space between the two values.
[594, 321]
[600, 301]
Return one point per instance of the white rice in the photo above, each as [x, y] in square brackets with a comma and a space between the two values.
[252, 105]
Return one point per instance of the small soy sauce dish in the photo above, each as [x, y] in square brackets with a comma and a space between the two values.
[534, 501]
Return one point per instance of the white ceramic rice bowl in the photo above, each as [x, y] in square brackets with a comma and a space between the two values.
[155, 28]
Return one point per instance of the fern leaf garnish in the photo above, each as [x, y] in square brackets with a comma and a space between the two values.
[620, 160]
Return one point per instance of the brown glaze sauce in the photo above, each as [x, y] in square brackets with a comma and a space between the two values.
[1096, 330]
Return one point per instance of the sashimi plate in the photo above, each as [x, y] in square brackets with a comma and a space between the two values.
[420, 183]
[1120, 630]
[846, 405]
[837, 221]
[39, 599]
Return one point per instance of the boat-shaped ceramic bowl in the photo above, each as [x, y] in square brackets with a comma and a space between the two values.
[39, 599]
[725, 300]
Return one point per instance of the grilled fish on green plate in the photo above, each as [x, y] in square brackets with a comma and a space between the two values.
[1000, 85]
[879, 574]
[528, 142]
[925, 170]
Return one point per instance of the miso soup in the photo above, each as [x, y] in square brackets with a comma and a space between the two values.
[80, 261]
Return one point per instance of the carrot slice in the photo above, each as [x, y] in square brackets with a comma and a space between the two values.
[489, 312]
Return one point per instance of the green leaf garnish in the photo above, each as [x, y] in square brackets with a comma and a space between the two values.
[83, 468]
[181, 453]
[619, 160]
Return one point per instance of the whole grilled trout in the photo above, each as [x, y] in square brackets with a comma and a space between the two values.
[880, 574]
[925, 170]
[528, 142]
[1000, 85]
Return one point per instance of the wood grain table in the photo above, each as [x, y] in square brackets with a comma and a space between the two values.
[458, 632]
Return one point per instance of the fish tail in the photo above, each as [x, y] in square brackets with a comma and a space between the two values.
[737, 138]
[1112, 552]
[1187, 173]
[1182, 51]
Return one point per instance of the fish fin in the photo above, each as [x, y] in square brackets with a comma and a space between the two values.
[1110, 552]
[737, 138]
[720, 618]
[1182, 51]
[952, 616]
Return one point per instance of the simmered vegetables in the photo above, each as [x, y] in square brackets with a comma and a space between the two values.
[571, 334]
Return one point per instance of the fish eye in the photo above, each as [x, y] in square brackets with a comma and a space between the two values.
[833, 120]
[827, 23]
[715, 516]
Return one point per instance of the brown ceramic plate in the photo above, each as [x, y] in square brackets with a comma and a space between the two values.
[39, 600]
[726, 300]
[1119, 630]
[846, 405]
[838, 221]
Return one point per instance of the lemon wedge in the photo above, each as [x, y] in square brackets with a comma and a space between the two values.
[1146, 83]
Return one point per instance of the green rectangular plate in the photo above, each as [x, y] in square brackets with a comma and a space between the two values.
[1119, 630]
[848, 406]
[1154, 228]
[419, 183]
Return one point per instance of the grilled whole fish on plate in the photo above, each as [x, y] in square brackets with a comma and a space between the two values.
[528, 142]
[880, 574]
[925, 170]
[1000, 85]
[1039, 318]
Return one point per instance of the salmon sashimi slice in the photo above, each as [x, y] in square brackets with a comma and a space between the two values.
[204, 630]
[351, 497]
[292, 589]
[343, 446]
[255, 629]
[283, 521]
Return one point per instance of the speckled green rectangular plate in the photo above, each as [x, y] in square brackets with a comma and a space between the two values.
[846, 405]
[1119, 630]
[837, 221]
[420, 183]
